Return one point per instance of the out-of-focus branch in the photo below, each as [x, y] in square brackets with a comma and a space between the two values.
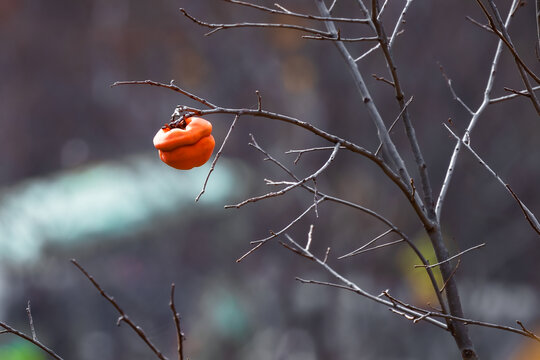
[31, 339]
[123, 316]
[176, 318]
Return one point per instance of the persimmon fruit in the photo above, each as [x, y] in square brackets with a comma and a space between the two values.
[186, 148]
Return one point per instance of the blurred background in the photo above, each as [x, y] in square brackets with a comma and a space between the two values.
[79, 178]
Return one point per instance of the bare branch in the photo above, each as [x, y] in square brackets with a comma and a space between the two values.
[10, 330]
[465, 321]
[400, 21]
[350, 286]
[394, 123]
[216, 158]
[512, 96]
[290, 187]
[310, 237]
[338, 37]
[31, 321]
[176, 318]
[170, 86]
[355, 252]
[123, 316]
[380, 246]
[452, 257]
[474, 119]
[528, 214]
[479, 24]
[451, 275]
[364, 210]
[217, 27]
[284, 11]
[389, 149]
[457, 98]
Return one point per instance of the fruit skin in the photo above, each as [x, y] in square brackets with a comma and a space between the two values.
[187, 148]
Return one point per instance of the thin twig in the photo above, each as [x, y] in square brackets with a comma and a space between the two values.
[399, 21]
[170, 86]
[394, 123]
[123, 316]
[465, 321]
[379, 78]
[290, 187]
[457, 98]
[452, 257]
[179, 334]
[338, 37]
[217, 27]
[504, 36]
[451, 276]
[512, 96]
[379, 246]
[354, 252]
[284, 11]
[389, 149]
[216, 158]
[531, 218]
[31, 321]
[350, 286]
[363, 209]
[479, 24]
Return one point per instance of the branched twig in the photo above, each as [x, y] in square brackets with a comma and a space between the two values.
[290, 187]
[350, 286]
[217, 27]
[284, 11]
[123, 316]
[362, 209]
[465, 321]
[474, 119]
[261, 242]
[216, 158]
[179, 334]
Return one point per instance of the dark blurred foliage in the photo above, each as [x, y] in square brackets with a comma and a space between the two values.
[58, 113]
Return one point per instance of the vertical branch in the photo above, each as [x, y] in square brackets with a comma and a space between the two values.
[179, 334]
[474, 119]
[400, 96]
[389, 149]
